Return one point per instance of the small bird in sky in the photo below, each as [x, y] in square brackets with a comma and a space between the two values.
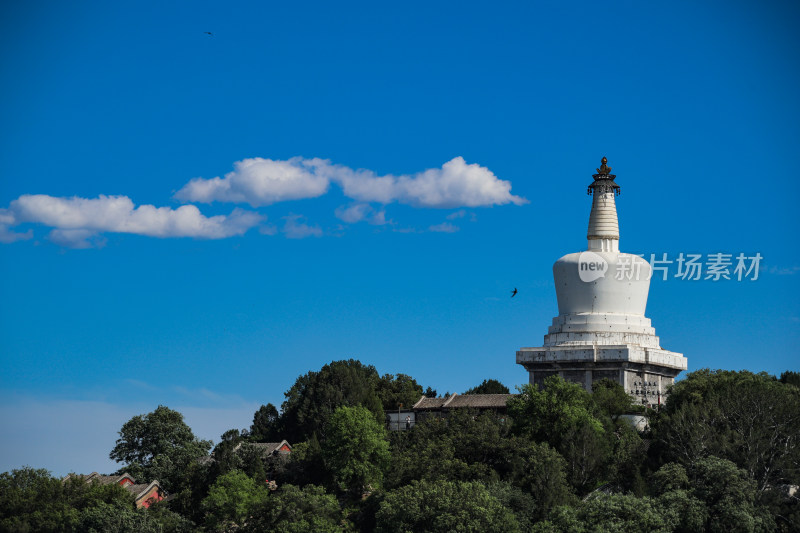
[514, 292]
[208, 33]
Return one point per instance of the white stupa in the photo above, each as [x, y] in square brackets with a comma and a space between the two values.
[601, 331]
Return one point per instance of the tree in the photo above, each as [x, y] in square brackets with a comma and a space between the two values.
[158, 445]
[489, 386]
[561, 414]
[443, 507]
[465, 446]
[540, 471]
[628, 458]
[296, 510]
[790, 377]
[548, 414]
[620, 513]
[316, 395]
[32, 500]
[610, 397]
[231, 500]
[750, 419]
[265, 424]
[711, 495]
[355, 449]
[398, 390]
[730, 495]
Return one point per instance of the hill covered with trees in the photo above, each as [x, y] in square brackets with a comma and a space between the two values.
[722, 454]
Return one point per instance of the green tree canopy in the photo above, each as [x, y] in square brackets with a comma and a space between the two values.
[620, 513]
[265, 426]
[296, 510]
[790, 377]
[32, 500]
[231, 500]
[398, 390]
[316, 395]
[444, 507]
[355, 449]
[610, 397]
[488, 386]
[158, 445]
[750, 419]
[548, 414]
[711, 495]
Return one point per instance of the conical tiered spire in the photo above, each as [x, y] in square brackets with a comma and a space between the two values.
[603, 231]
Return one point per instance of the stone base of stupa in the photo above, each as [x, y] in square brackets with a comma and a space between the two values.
[645, 373]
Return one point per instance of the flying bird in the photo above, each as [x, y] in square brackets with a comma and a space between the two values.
[208, 33]
[514, 292]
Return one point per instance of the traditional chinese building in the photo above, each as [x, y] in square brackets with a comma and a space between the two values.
[601, 330]
[144, 494]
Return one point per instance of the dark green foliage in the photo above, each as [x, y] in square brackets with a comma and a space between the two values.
[306, 465]
[430, 393]
[464, 446]
[683, 512]
[620, 513]
[489, 386]
[316, 395]
[355, 450]
[548, 414]
[398, 390]
[610, 397]
[540, 471]
[32, 500]
[587, 451]
[522, 504]
[723, 457]
[231, 500]
[628, 458]
[444, 506]
[158, 445]
[265, 426]
[730, 495]
[564, 415]
[711, 495]
[467, 446]
[750, 419]
[790, 377]
[294, 510]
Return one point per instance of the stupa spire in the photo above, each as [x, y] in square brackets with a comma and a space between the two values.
[603, 234]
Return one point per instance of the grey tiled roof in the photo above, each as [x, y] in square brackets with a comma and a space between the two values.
[479, 401]
[266, 448]
[429, 403]
[456, 401]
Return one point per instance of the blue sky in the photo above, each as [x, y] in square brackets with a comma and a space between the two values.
[386, 175]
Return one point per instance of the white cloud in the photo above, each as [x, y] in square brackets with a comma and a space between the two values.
[78, 221]
[294, 228]
[7, 236]
[358, 212]
[461, 213]
[260, 181]
[353, 213]
[379, 219]
[444, 227]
